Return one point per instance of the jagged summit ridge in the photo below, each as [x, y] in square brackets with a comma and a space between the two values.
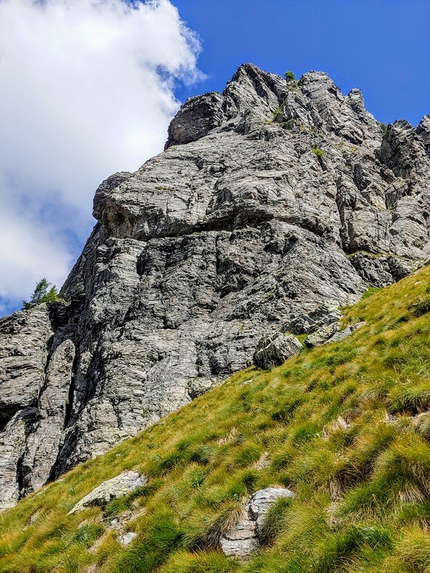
[252, 96]
[269, 199]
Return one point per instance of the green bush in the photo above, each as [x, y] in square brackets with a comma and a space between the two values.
[289, 76]
[276, 113]
[383, 127]
[318, 152]
[42, 293]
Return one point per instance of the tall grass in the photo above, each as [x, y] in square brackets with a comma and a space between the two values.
[345, 426]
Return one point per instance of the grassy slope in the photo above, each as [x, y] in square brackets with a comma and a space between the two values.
[344, 426]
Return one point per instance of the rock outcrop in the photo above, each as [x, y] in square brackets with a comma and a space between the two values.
[245, 537]
[274, 350]
[334, 332]
[113, 488]
[270, 199]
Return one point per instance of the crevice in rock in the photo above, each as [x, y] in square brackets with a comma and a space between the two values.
[20, 475]
[30, 417]
[71, 394]
[58, 315]
[65, 453]
[7, 414]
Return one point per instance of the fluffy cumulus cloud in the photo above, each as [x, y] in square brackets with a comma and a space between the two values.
[87, 90]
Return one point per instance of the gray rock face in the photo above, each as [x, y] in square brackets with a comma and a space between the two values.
[273, 350]
[324, 314]
[322, 335]
[25, 341]
[380, 271]
[342, 334]
[243, 539]
[269, 200]
[23, 352]
[114, 488]
[44, 440]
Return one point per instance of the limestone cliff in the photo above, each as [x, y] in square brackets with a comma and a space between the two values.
[269, 199]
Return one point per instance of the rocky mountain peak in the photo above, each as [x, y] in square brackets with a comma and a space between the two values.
[402, 149]
[270, 199]
[253, 96]
[424, 131]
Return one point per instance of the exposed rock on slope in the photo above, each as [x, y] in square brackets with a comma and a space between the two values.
[274, 350]
[269, 199]
[243, 539]
[114, 488]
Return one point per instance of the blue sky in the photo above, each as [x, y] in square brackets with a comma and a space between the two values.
[81, 97]
[380, 46]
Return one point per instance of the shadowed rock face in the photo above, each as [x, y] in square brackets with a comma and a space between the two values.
[269, 200]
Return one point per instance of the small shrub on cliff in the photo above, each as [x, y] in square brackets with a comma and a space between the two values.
[276, 113]
[318, 152]
[42, 293]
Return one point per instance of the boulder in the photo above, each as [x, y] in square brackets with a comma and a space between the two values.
[114, 488]
[324, 314]
[273, 350]
[261, 501]
[322, 335]
[242, 540]
[331, 333]
[342, 334]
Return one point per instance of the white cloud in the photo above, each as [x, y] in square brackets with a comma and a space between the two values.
[82, 97]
